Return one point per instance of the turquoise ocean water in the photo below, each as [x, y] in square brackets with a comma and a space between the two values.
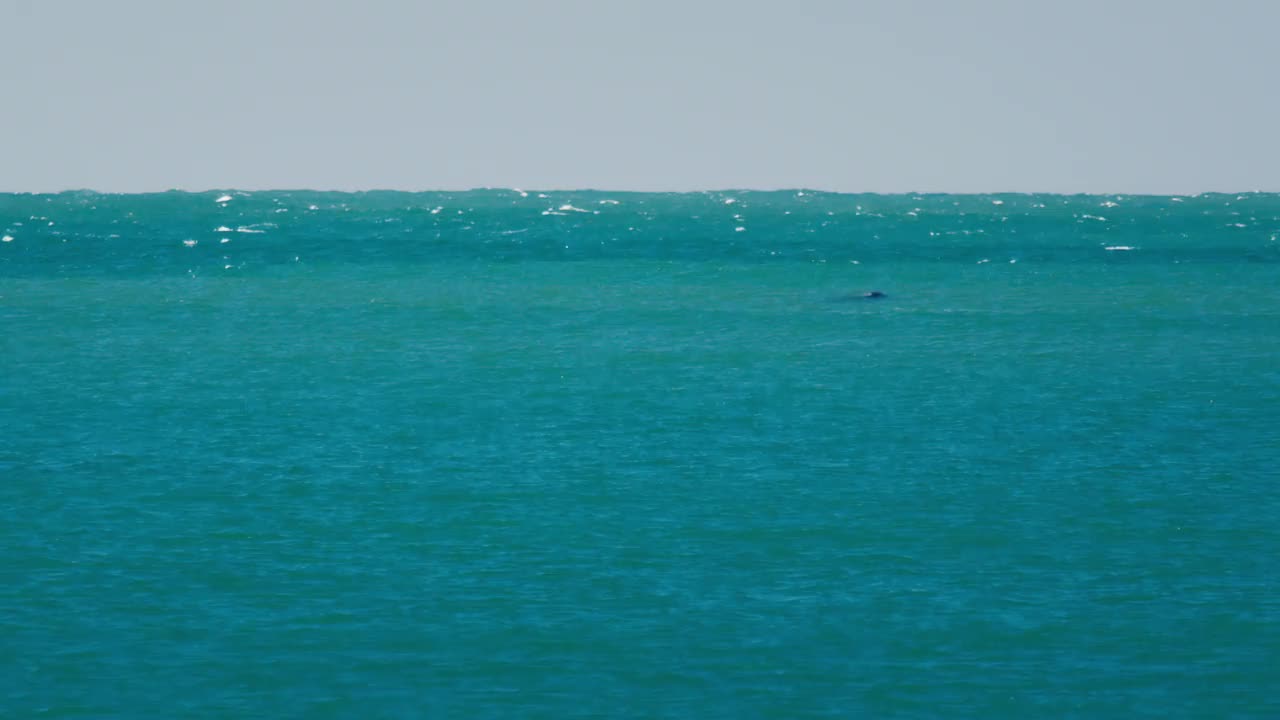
[588, 454]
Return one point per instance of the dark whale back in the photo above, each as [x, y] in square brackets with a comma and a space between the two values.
[871, 295]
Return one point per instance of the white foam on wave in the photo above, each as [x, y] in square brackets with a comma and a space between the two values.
[222, 228]
[190, 243]
[739, 229]
[730, 201]
[1109, 204]
[553, 212]
[1114, 248]
[223, 199]
[997, 202]
[569, 208]
[225, 240]
[436, 210]
[609, 202]
[519, 192]
[6, 238]
[250, 230]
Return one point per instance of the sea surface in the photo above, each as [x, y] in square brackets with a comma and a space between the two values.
[509, 454]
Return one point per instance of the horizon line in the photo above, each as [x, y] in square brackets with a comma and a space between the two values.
[525, 192]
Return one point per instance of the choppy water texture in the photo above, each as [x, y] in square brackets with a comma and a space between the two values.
[505, 454]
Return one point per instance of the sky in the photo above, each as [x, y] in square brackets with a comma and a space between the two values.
[1133, 96]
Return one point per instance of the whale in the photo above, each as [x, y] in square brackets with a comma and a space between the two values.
[869, 295]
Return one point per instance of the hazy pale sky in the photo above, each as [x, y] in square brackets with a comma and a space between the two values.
[1158, 96]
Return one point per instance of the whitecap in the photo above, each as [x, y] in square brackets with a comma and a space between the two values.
[222, 228]
[739, 229]
[1119, 247]
[609, 202]
[313, 207]
[730, 201]
[997, 202]
[245, 229]
[552, 212]
[519, 192]
[223, 199]
[6, 238]
[189, 243]
[1109, 204]
[569, 208]
[984, 260]
[436, 210]
[225, 240]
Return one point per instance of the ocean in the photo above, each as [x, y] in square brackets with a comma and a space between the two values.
[509, 454]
